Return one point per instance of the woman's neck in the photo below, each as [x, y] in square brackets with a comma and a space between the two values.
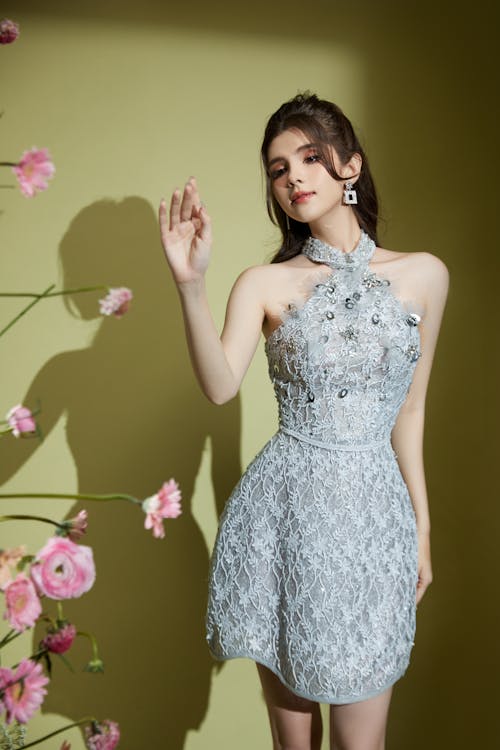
[339, 229]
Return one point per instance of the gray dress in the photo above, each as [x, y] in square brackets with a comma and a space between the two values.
[314, 567]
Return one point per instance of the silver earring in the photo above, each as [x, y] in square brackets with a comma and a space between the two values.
[350, 195]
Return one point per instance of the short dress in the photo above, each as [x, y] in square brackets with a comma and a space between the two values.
[315, 563]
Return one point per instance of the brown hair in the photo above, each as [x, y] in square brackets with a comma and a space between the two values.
[325, 124]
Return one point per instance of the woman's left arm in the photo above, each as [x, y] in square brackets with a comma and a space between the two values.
[431, 280]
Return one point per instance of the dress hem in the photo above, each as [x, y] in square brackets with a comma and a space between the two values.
[319, 698]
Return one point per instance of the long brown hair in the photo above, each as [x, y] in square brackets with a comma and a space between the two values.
[325, 124]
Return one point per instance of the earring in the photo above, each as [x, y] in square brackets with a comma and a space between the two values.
[287, 222]
[350, 195]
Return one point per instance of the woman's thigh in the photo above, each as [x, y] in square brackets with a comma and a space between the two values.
[295, 721]
[362, 725]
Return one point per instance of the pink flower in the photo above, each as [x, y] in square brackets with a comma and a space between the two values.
[33, 170]
[23, 690]
[165, 504]
[20, 420]
[63, 569]
[116, 302]
[22, 603]
[9, 31]
[102, 736]
[75, 528]
[60, 640]
[9, 559]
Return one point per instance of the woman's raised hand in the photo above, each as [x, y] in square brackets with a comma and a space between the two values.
[186, 234]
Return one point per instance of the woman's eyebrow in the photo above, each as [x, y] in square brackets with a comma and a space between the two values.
[300, 148]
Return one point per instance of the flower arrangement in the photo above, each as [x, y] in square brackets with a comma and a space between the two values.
[63, 568]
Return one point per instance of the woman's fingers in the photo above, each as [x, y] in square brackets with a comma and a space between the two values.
[187, 202]
[206, 226]
[184, 207]
[175, 208]
[196, 195]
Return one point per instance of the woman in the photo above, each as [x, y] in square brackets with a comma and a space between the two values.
[323, 548]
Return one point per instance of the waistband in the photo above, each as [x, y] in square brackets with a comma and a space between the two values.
[336, 446]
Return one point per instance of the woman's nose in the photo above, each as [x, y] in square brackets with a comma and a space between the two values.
[295, 171]
[294, 177]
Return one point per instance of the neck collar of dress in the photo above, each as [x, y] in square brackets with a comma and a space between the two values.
[321, 252]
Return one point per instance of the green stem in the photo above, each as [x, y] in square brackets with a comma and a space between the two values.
[9, 637]
[33, 657]
[19, 517]
[26, 309]
[86, 720]
[9, 163]
[54, 294]
[69, 496]
[93, 642]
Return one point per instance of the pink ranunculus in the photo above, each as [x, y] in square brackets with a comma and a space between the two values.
[8, 560]
[63, 569]
[77, 526]
[22, 604]
[23, 690]
[20, 420]
[116, 302]
[33, 170]
[165, 504]
[103, 735]
[9, 31]
[60, 640]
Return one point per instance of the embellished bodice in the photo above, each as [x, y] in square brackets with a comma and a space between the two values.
[342, 360]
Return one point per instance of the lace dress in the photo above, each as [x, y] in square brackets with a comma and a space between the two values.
[314, 567]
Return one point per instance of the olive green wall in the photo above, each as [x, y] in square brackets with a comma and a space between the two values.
[131, 99]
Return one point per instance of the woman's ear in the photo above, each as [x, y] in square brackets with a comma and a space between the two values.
[353, 166]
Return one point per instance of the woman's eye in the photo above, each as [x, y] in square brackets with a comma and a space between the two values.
[312, 158]
[275, 173]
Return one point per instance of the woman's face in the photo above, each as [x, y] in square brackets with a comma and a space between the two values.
[294, 167]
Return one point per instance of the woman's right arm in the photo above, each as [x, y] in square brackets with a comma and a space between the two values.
[219, 363]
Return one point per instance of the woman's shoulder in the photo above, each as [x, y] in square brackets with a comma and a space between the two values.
[420, 263]
[265, 273]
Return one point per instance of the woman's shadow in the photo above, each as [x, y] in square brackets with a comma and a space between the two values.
[135, 418]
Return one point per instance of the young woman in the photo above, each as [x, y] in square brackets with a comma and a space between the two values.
[323, 549]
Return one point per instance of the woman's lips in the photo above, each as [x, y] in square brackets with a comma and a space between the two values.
[302, 198]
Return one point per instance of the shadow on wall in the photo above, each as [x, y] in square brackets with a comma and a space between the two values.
[135, 417]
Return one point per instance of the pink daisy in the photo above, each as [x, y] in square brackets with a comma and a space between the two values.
[165, 504]
[33, 170]
[22, 603]
[116, 302]
[8, 560]
[23, 690]
[20, 420]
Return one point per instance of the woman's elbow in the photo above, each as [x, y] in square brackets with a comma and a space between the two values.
[220, 398]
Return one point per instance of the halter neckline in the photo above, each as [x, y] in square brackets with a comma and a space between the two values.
[321, 252]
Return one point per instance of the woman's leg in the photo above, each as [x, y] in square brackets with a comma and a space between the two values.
[295, 722]
[362, 725]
